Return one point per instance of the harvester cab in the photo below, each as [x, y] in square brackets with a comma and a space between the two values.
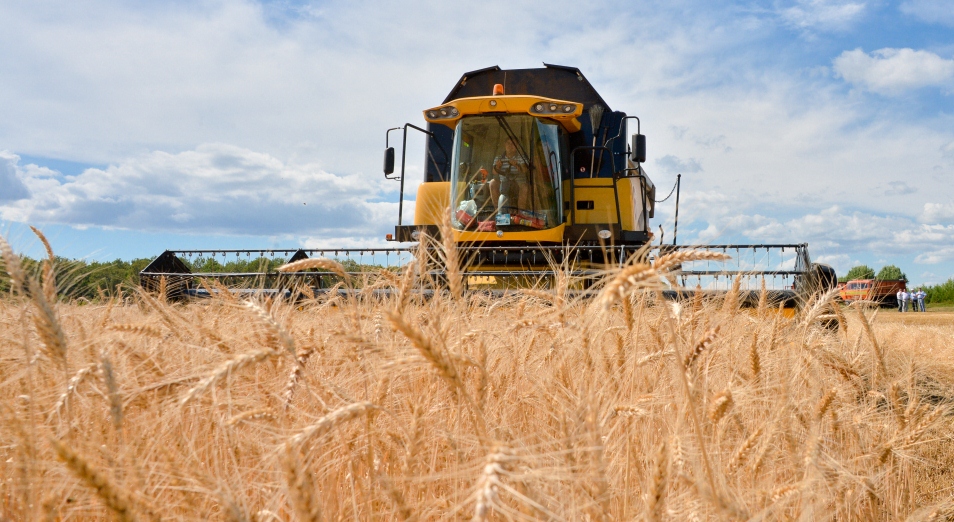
[529, 157]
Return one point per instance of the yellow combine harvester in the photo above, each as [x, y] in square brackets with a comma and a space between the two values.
[530, 157]
[531, 169]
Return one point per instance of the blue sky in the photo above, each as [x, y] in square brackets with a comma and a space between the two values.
[131, 127]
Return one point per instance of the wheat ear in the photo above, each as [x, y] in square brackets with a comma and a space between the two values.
[319, 262]
[115, 400]
[278, 336]
[489, 484]
[113, 497]
[631, 278]
[668, 261]
[721, 405]
[328, 422]
[226, 369]
[49, 278]
[702, 345]
[657, 490]
[137, 329]
[71, 386]
[300, 487]
[442, 364]
[13, 267]
[743, 452]
[47, 325]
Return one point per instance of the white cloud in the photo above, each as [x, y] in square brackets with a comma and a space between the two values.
[299, 91]
[893, 71]
[824, 15]
[674, 165]
[215, 188]
[930, 11]
[937, 213]
[834, 234]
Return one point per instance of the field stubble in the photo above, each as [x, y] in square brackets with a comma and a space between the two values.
[533, 406]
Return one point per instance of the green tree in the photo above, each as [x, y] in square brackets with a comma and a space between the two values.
[891, 273]
[860, 272]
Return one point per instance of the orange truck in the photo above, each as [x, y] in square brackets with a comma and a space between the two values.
[885, 293]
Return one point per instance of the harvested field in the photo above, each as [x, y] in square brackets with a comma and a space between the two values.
[529, 407]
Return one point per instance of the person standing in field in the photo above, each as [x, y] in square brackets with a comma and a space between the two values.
[921, 295]
[900, 299]
[905, 300]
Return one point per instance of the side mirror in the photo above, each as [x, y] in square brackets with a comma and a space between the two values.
[389, 161]
[639, 148]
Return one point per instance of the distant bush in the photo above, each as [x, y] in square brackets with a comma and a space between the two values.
[942, 293]
[858, 272]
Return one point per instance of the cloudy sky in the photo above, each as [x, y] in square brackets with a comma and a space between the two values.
[131, 127]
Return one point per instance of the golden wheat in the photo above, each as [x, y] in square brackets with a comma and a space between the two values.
[535, 406]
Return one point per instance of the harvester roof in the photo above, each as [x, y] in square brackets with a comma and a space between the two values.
[552, 81]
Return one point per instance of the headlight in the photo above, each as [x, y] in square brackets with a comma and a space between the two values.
[604, 234]
[416, 235]
[442, 113]
[568, 108]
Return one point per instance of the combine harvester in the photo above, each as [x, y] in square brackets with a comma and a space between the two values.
[538, 174]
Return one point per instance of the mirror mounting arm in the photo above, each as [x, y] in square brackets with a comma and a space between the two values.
[389, 160]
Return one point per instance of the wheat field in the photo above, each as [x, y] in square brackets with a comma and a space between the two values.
[536, 406]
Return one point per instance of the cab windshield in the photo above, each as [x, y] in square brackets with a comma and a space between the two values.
[506, 174]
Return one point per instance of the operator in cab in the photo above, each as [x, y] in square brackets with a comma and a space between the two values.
[511, 176]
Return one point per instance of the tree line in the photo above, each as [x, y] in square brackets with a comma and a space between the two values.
[78, 278]
[90, 279]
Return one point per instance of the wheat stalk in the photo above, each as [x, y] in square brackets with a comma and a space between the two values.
[875, 346]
